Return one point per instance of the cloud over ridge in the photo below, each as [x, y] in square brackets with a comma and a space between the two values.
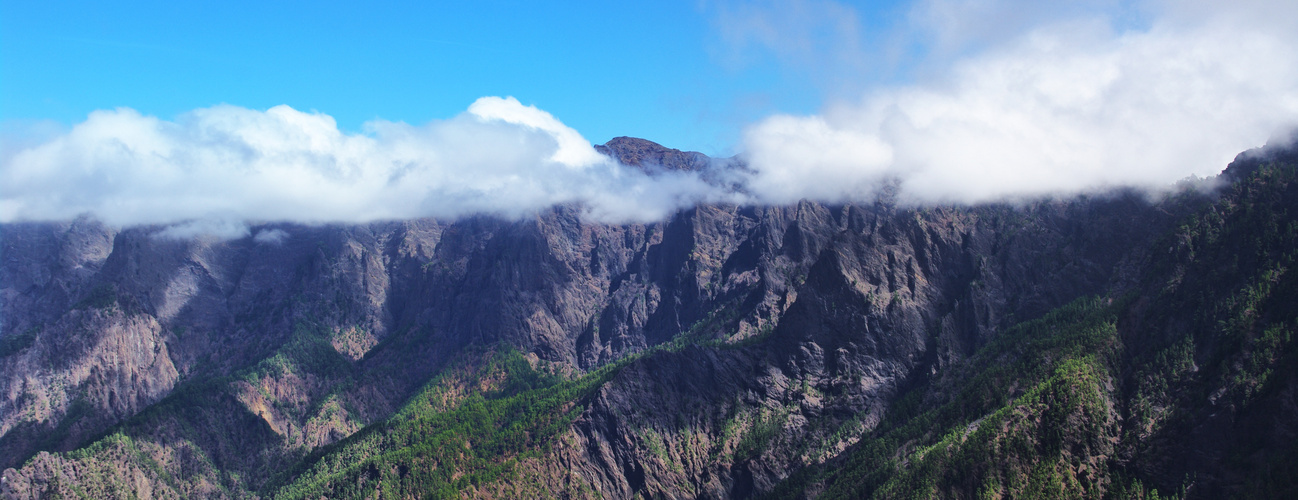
[1060, 106]
[499, 157]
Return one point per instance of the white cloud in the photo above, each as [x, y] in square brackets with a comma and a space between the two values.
[947, 27]
[231, 163]
[271, 236]
[822, 42]
[1063, 107]
[217, 229]
[803, 33]
[1045, 102]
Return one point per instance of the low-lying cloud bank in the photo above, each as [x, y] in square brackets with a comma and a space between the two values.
[230, 163]
[1063, 107]
[1066, 106]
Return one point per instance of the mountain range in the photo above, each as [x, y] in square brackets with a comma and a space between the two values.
[1116, 344]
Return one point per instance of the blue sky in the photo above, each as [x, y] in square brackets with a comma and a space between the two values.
[659, 70]
[176, 112]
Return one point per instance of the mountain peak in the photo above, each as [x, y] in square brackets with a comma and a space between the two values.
[646, 155]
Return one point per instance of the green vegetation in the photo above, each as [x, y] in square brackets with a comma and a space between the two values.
[1030, 409]
[1060, 407]
[307, 351]
[1232, 292]
[469, 427]
[763, 428]
[102, 296]
[1043, 411]
[1191, 369]
[203, 417]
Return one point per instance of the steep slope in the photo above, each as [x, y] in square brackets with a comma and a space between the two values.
[1183, 384]
[857, 350]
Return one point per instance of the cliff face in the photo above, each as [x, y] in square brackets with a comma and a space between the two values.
[724, 352]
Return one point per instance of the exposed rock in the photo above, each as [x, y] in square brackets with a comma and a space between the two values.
[794, 331]
[648, 155]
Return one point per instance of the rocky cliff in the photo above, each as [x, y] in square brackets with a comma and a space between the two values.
[1103, 345]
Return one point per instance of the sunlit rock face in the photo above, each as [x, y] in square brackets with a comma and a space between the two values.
[226, 359]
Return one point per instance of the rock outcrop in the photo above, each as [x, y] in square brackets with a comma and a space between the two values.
[764, 343]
